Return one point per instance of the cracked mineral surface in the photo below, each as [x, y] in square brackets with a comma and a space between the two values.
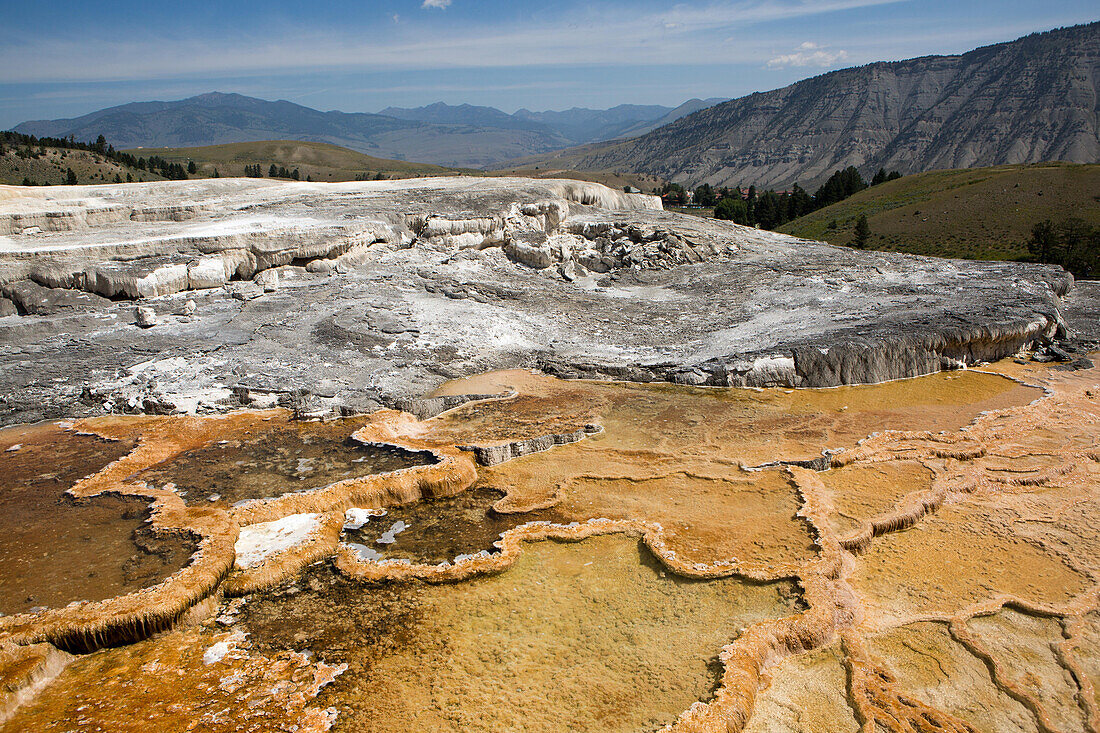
[339, 483]
[331, 298]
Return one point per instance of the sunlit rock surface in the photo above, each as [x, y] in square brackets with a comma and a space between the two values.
[261, 288]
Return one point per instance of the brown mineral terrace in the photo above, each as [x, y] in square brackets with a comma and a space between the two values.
[938, 573]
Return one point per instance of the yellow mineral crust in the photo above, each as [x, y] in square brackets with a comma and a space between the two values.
[956, 544]
[1003, 548]
[582, 635]
[25, 670]
[805, 692]
[1028, 657]
[184, 680]
[678, 456]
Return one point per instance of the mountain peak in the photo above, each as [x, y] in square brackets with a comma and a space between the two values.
[1036, 104]
[220, 98]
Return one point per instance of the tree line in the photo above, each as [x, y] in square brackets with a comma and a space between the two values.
[770, 209]
[1072, 243]
[255, 171]
[153, 164]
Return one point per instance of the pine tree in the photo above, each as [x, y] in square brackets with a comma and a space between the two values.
[1080, 245]
[295, 175]
[768, 210]
[705, 196]
[1044, 242]
[862, 233]
[800, 202]
[272, 172]
[840, 186]
[191, 167]
[70, 176]
[880, 177]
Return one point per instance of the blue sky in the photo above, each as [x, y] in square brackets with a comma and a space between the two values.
[64, 58]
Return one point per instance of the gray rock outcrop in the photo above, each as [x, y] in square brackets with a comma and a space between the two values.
[145, 316]
[491, 455]
[426, 280]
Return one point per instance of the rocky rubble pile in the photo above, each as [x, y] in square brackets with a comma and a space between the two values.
[602, 247]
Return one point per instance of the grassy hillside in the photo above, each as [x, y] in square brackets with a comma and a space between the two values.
[48, 165]
[319, 161]
[979, 213]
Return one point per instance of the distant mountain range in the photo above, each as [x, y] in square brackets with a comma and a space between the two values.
[459, 136]
[1030, 100]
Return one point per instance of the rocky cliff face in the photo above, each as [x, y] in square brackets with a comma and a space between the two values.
[1031, 100]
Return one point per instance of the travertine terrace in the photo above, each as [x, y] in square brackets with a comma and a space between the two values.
[795, 487]
[345, 297]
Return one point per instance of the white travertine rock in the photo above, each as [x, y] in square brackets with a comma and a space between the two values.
[268, 280]
[257, 542]
[145, 317]
[676, 298]
[208, 272]
[539, 257]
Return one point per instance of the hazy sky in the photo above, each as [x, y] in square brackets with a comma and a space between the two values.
[65, 58]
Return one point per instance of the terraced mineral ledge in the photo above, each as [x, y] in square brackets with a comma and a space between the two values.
[677, 568]
[282, 504]
[202, 296]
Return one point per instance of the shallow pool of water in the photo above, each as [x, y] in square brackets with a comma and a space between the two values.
[55, 549]
[288, 457]
[438, 530]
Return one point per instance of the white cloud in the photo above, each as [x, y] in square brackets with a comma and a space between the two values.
[808, 54]
[441, 4]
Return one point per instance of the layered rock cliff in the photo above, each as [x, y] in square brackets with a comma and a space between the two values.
[1034, 99]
